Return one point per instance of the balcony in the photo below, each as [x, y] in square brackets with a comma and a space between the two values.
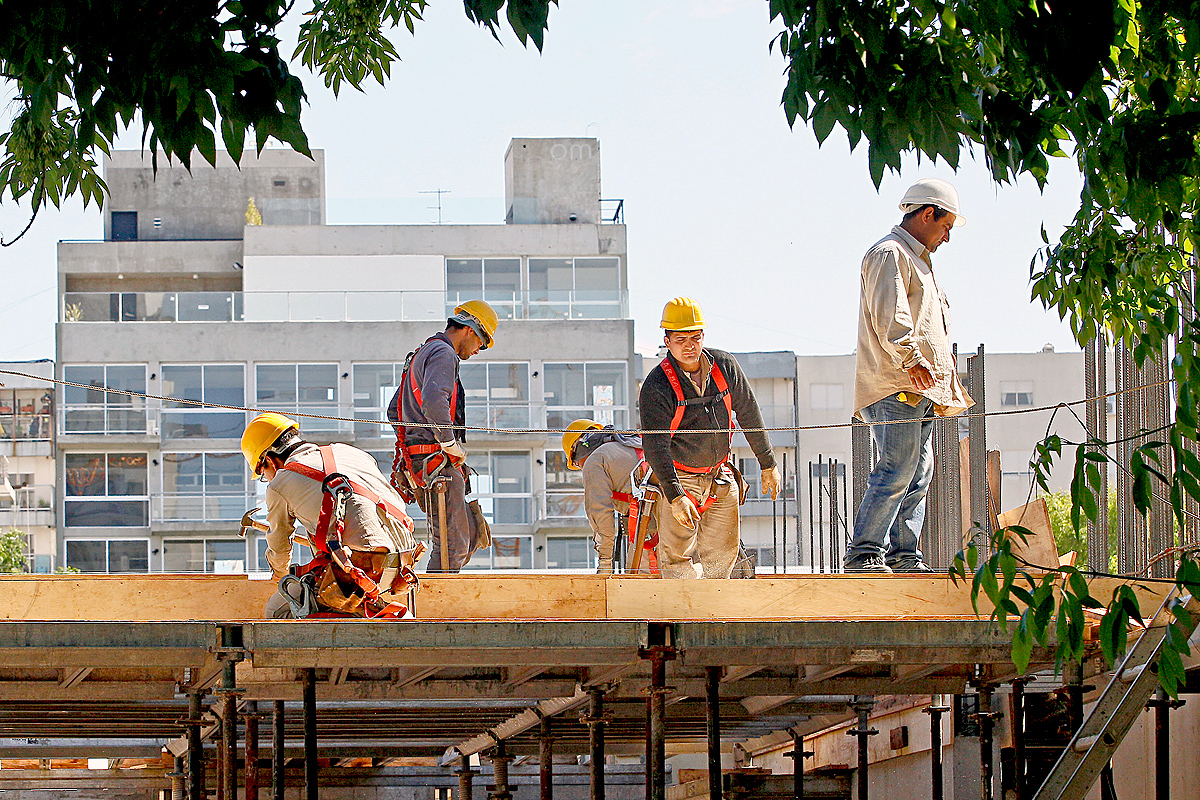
[105, 418]
[34, 508]
[80, 307]
[198, 423]
[201, 508]
[774, 417]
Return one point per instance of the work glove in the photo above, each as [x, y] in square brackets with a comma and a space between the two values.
[685, 511]
[455, 452]
[770, 482]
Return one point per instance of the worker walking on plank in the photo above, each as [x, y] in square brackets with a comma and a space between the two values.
[430, 463]
[367, 543]
[608, 460]
[696, 393]
[905, 375]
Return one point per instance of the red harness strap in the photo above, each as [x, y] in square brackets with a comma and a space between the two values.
[682, 402]
[405, 453]
[330, 549]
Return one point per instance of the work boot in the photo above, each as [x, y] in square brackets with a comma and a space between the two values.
[910, 564]
[868, 563]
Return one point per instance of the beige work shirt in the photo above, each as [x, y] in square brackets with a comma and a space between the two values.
[292, 498]
[903, 321]
[606, 471]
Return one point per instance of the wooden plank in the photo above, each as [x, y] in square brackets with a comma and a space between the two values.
[1039, 548]
[511, 597]
[132, 597]
[74, 676]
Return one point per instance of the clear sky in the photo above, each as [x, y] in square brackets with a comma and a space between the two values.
[723, 201]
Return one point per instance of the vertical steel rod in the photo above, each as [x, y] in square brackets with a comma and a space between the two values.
[595, 723]
[546, 760]
[833, 557]
[1018, 733]
[1162, 747]
[656, 758]
[798, 755]
[712, 695]
[862, 706]
[937, 781]
[812, 540]
[251, 721]
[466, 788]
[195, 760]
[277, 752]
[500, 759]
[229, 735]
[783, 492]
[985, 740]
[310, 734]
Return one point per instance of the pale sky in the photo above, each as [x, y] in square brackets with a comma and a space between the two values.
[723, 201]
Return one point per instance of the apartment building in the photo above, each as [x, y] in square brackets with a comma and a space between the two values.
[26, 460]
[185, 300]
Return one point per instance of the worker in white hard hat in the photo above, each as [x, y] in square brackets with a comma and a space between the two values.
[905, 375]
[692, 399]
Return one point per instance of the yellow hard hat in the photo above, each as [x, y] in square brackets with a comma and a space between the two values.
[682, 314]
[576, 429]
[479, 317]
[260, 434]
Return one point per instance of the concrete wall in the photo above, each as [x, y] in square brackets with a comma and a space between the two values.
[555, 181]
[176, 266]
[210, 202]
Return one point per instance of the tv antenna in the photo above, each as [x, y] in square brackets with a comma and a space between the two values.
[438, 207]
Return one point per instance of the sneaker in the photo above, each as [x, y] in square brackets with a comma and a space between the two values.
[868, 563]
[910, 564]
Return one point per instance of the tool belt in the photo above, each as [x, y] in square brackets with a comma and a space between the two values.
[333, 592]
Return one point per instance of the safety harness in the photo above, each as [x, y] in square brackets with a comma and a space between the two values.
[329, 551]
[681, 404]
[406, 477]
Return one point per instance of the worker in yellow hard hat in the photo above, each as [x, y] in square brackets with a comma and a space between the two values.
[694, 396]
[376, 525]
[608, 460]
[428, 412]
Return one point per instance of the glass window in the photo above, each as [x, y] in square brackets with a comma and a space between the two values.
[208, 383]
[503, 484]
[201, 487]
[496, 280]
[300, 388]
[574, 288]
[592, 390]
[506, 552]
[106, 490]
[109, 556]
[91, 409]
[826, 396]
[564, 488]
[497, 394]
[752, 472]
[570, 552]
[205, 555]
[374, 385]
[1016, 393]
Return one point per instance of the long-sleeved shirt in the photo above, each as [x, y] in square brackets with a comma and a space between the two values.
[605, 471]
[435, 368]
[293, 498]
[699, 450]
[904, 321]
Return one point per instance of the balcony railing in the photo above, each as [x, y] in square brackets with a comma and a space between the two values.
[415, 306]
[191, 507]
[195, 423]
[25, 426]
[105, 418]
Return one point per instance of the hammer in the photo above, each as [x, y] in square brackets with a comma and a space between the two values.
[248, 523]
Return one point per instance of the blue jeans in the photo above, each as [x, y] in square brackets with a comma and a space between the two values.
[892, 511]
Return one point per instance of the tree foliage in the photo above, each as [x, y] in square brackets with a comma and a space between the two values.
[80, 72]
[1111, 84]
[12, 551]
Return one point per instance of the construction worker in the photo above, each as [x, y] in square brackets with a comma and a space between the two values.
[694, 394]
[376, 526]
[905, 375]
[430, 393]
[608, 460]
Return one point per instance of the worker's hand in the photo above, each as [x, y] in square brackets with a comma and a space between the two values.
[921, 377]
[770, 482]
[455, 451]
[685, 511]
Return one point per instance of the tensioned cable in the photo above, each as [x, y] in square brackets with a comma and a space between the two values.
[485, 429]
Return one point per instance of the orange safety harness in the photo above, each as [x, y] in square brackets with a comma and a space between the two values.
[635, 511]
[405, 452]
[336, 490]
[681, 404]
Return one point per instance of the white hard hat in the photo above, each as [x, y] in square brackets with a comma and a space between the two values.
[933, 191]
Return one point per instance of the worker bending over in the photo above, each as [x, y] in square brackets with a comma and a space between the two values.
[608, 460]
[430, 393]
[377, 532]
[695, 393]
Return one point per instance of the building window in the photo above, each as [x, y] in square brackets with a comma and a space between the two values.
[26, 414]
[1016, 393]
[208, 383]
[503, 485]
[106, 490]
[384, 460]
[752, 472]
[570, 552]
[564, 488]
[300, 388]
[826, 397]
[497, 394]
[108, 555]
[592, 390]
[203, 487]
[574, 288]
[496, 280]
[822, 469]
[506, 552]
[90, 409]
[205, 555]
[124, 226]
[374, 385]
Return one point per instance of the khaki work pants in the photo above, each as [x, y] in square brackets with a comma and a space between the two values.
[710, 550]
